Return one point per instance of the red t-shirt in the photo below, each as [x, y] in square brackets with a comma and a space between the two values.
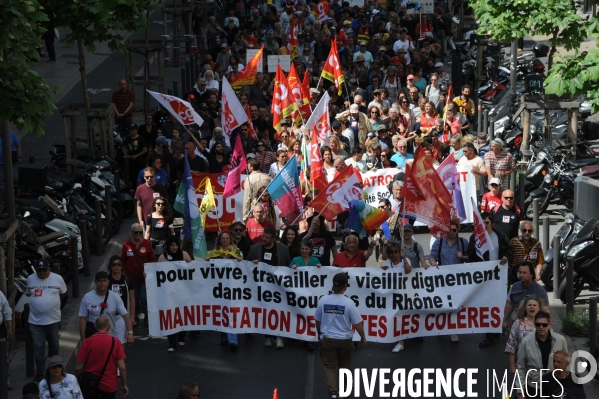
[93, 354]
[358, 260]
[135, 257]
[255, 229]
[490, 202]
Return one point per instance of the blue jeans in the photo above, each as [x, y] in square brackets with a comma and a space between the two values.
[227, 337]
[141, 299]
[39, 335]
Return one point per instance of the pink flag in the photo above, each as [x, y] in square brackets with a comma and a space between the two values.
[233, 114]
[319, 120]
[449, 174]
[182, 110]
[238, 166]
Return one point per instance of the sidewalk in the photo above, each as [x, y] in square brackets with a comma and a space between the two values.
[69, 332]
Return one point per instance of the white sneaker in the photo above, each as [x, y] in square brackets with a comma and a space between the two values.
[455, 338]
[280, 344]
[398, 347]
[170, 349]
[268, 342]
[141, 316]
[181, 343]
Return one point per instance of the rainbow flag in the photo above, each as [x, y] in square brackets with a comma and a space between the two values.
[364, 218]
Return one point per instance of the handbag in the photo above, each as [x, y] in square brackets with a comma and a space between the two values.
[90, 328]
[89, 382]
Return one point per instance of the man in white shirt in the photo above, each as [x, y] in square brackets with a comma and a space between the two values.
[46, 292]
[404, 43]
[356, 159]
[334, 317]
[478, 165]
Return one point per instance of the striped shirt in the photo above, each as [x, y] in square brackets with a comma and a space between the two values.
[266, 160]
[122, 100]
[531, 251]
[500, 163]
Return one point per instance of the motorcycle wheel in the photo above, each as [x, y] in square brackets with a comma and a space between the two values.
[65, 270]
[129, 208]
[578, 285]
[528, 207]
[106, 232]
[547, 276]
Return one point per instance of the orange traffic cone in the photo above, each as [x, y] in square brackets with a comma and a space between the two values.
[275, 394]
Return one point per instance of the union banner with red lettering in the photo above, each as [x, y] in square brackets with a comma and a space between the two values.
[242, 297]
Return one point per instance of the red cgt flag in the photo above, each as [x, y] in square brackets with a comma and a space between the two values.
[332, 69]
[283, 103]
[426, 197]
[292, 44]
[335, 198]
[247, 75]
[305, 89]
[317, 174]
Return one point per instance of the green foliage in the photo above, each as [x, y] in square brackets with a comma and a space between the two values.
[576, 324]
[576, 75]
[26, 100]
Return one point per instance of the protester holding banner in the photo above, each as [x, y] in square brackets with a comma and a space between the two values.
[323, 242]
[305, 258]
[412, 250]
[290, 237]
[255, 226]
[502, 248]
[238, 238]
[335, 316]
[352, 256]
[451, 249]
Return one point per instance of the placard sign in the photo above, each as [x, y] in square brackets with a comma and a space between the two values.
[420, 7]
[283, 60]
[534, 84]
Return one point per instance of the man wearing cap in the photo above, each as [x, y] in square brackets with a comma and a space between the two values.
[123, 101]
[135, 149]
[492, 198]
[364, 52]
[444, 77]
[345, 33]
[102, 301]
[223, 56]
[335, 316]
[46, 292]
[499, 163]
[92, 357]
[478, 165]
[58, 383]
[358, 123]
[161, 151]
[404, 43]
[382, 133]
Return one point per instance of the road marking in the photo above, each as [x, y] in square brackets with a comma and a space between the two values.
[309, 389]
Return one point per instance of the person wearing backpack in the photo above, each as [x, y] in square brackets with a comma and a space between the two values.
[450, 250]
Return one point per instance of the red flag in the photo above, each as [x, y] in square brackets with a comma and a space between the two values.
[321, 11]
[247, 75]
[296, 90]
[232, 114]
[305, 89]
[426, 197]
[292, 43]
[275, 394]
[332, 69]
[317, 173]
[319, 119]
[335, 199]
[238, 165]
[283, 103]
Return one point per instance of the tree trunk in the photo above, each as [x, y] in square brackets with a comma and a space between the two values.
[553, 49]
[83, 75]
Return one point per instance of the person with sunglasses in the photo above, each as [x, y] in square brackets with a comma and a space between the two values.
[528, 248]
[57, 383]
[506, 217]
[136, 252]
[536, 352]
[189, 390]
[238, 237]
[522, 289]
[121, 284]
[491, 199]
[145, 194]
[157, 230]
[523, 325]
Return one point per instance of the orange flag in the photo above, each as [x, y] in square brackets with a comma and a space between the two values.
[296, 90]
[247, 75]
[332, 69]
[305, 89]
[283, 103]
[292, 43]
[275, 394]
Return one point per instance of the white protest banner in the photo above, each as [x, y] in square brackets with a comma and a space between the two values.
[375, 184]
[468, 187]
[250, 53]
[274, 60]
[242, 297]
[420, 7]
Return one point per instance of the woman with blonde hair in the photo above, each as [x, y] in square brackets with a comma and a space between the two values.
[523, 325]
[335, 146]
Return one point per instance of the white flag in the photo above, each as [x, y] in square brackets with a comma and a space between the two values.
[182, 110]
[482, 241]
[319, 120]
[233, 114]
